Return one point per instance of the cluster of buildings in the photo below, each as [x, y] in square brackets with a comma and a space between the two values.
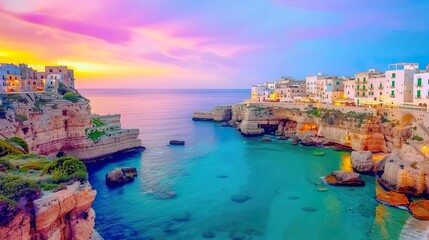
[402, 84]
[22, 78]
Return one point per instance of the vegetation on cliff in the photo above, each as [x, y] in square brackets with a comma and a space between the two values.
[24, 176]
[64, 169]
[7, 149]
[20, 142]
[72, 97]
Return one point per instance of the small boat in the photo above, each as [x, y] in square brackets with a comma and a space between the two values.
[319, 153]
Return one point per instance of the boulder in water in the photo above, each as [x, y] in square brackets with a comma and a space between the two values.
[177, 142]
[266, 139]
[362, 161]
[393, 199]
[120, 176]
[420, 209]
[342, 178]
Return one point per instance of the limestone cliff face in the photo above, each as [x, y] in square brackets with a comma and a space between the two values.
[66, 214]
[335, 125]
[59, 125]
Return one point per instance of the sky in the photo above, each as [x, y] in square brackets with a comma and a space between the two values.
[211, 44]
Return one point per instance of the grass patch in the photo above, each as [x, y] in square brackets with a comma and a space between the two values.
[48, 186]
[21, 117]
[417, 138]
[98, 123]
[20, 142]
[95, 135]
[34, 165]
[72, 97]
[7, 149]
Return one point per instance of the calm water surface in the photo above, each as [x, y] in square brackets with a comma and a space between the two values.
[286, 200]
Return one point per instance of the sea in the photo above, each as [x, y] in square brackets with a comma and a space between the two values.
[222, 185]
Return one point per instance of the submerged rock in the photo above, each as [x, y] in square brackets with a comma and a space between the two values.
[165, 195]
[307, 141]
[393, 199]
[362, 161]
[177, 142]
[239, 198]
[309, 209]
[266, 139]
[119, 176]
[342, 178]
[182, 217]
[208, 234]
[420, 209]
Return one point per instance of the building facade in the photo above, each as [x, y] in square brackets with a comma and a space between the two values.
[68, 74]
[421, 89]
[399, 83]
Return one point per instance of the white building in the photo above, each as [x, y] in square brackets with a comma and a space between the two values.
[311, 83]
[290, 91]
[261, 92]
[370, 88]
[399, 82]
[421, 89]
[52, 82]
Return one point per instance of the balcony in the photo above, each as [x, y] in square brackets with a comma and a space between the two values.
[392, 96]
[418, 85]
[418, 97]
[392, 86]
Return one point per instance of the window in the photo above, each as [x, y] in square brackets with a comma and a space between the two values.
[364, 87]
[364, 79]
[418, 93]
[337, 83]
[381, 93]
[370, 86]
[419, 82]
[357, 79]
[393, 84]
[381, 85]
[363, 94]
[393, 93]
[393, 75]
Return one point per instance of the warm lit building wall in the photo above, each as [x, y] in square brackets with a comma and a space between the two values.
[52, 82]
[28, 78]
[13, 82]
[41, 79]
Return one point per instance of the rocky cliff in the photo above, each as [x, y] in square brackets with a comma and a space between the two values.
[66, 214]
[357, 128]
[52, 125]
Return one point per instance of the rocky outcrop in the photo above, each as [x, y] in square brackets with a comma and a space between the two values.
[202, 116]
[120, 176]
[66, 214]
[342, 178]
[362, 161]
[61, 126]
[406, 177]
[177, 142]
[393, 199]
[420, 209]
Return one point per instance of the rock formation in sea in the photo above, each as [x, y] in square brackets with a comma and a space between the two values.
[55, 126]
[342, 178]
[362, 161]
[120, 176]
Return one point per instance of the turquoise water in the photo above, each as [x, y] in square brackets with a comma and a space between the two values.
[282, 181]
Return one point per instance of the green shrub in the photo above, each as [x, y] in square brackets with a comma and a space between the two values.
[35, 165]
[415, 128]
[417, 138]
[95, 135]
[64, 169]
[98, 122]
[48, 186]
[7, 148]
[17, 97]
[8, 209]
[21, 142]
[15, 188]
[63, 89]
[72, 97]
[21, 117]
